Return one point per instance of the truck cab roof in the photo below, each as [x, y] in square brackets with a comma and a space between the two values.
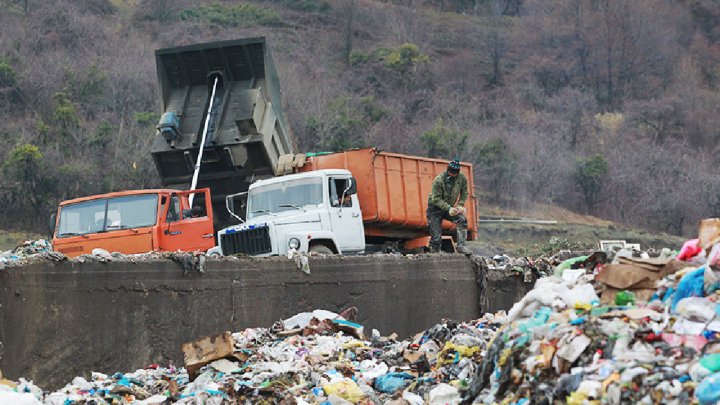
[122, 193]
[305, 175]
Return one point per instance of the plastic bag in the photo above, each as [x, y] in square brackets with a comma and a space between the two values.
[582, 294]
[625, 297]
[16, 398]
[698, 372]
[691, 285]
[572, 275]
[412, 399]
[708, 391]
[346, 389]
[567, 264]
[696, 308]
[392, 382]
[711, 362]
[689, 249]
[444, 394]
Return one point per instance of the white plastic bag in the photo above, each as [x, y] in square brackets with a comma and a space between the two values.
[444, 394]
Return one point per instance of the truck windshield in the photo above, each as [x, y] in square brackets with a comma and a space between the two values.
[108, 214]
[288, 195]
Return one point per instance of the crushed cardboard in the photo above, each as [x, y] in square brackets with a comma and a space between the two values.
[638, 275]
[709, 233]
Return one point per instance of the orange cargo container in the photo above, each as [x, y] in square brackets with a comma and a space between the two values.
[393, 190]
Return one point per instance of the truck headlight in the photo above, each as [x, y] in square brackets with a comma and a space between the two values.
[294, 243]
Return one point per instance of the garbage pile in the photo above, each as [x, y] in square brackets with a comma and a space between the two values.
[311, 358]
[604, 330]
[529, 268]
[651, 336]
[29, 248]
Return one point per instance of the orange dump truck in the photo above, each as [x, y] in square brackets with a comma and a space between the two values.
[135, 221]
[342, 203]
[393, 190]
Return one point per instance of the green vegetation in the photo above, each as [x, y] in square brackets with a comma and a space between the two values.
[23, 159]
[8, 77]
[358, 58]
[372, 110]
[304, 5]
[102, 136]
[444, 142]
[590, 176]
[405, 58]
[238, 15]
[345, 122]
[401, 60]
[498, 163]
[89, 86]
[29, 187]
[146, 118]
[65, 115]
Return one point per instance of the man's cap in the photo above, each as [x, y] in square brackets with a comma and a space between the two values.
[454, 166]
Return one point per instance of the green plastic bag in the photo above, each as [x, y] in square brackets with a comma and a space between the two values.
[625, 297]
[711, 362]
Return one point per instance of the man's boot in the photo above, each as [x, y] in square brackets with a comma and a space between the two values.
[461, 238]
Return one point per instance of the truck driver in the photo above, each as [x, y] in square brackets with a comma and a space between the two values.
[447, 201]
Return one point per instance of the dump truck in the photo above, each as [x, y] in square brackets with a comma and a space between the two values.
[136, 221]
[222, 126]
[227, 92]
[347, 202]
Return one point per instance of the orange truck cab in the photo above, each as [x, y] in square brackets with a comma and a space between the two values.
[135, 221]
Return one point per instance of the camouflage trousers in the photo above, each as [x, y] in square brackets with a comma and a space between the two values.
[435, 217]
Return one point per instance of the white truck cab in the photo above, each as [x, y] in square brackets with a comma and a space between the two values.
[314, 211]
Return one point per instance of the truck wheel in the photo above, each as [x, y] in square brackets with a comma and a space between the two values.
[321, 249]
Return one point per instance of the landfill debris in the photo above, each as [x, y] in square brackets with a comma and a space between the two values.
[102, 254]
[653, 337]
[189, 261]
[301, 260]
[206, 350]
[636, 329]
[528, 267]
[323, 366]
[29, 250]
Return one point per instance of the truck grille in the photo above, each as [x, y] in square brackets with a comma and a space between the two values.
[249, 241]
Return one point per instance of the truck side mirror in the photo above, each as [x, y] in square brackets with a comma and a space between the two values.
[51, 225]
[351, 186]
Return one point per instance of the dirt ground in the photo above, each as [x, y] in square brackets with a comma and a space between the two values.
[572, 231]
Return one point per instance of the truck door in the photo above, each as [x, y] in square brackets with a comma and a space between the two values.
[187, 228]
[345, 216]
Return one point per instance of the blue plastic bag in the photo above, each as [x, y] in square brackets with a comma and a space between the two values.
[392, 382]
[691, 285]
[708, 391]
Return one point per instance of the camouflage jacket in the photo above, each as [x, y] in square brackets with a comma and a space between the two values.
[446, 194]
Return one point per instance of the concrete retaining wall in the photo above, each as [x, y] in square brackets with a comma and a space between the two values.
[59, 320]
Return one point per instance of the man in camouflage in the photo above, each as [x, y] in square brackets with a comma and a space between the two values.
[447, 201]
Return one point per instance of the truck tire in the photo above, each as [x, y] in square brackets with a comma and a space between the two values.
[322, 249]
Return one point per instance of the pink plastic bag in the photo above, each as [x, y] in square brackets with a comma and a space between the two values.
[690, 249]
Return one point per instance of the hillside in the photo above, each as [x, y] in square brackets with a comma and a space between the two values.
[602, 107]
